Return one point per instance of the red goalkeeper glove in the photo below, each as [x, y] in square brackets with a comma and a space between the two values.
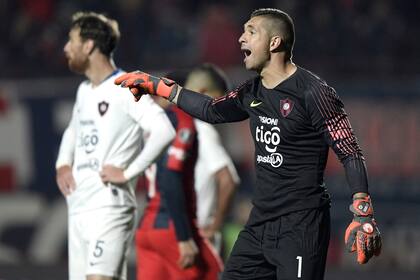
[141, 83]
[362, 235]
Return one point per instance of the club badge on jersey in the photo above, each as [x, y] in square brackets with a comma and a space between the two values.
[103, 107]
[286, 106]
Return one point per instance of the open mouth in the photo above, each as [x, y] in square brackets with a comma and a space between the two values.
[247, 52]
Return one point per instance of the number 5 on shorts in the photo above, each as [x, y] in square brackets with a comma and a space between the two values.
[98, 249]
[299, 270]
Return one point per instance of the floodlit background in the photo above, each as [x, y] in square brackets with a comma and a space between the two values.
[367, 50]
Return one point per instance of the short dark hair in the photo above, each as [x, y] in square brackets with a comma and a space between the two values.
[99, 28]
[216, 75]
[285, 26]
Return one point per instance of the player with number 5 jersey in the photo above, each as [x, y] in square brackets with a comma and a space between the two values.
[102, 152]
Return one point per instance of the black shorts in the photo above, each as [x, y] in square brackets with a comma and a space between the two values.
[294, 246]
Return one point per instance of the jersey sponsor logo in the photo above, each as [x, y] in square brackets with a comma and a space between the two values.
[255, 103]
[103, 107]
[269, 137]
[286, 106]
[89, 140]
[86, 122]
[92, 163]
[267, 120]
[275, 159]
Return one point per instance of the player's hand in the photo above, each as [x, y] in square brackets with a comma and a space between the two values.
[112, 174]
[362, 235]
[65, 180]
[208, 232]
[141, 83]
[188, 251]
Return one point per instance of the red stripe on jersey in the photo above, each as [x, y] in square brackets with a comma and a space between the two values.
[219, 99]
[185, 135]
[231, 94]
[336, 121]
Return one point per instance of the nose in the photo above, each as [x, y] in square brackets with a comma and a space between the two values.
[242, 38]
[65, 48]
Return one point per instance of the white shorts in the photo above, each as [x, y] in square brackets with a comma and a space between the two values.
[99, 241]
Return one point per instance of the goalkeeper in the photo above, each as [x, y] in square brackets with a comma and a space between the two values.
[294, 118]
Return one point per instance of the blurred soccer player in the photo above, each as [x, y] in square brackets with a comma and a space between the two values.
[294, 117]
[215, 175]
[168, 242]
[100, 155]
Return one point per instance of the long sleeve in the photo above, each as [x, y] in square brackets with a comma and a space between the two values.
[220, 110]
[160, 135]
[173, 190]
[159, 129]
[176, 184]
[329, 117]
[68, 143]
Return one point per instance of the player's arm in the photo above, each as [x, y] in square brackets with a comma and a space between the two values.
[154, 122]
[161, 132]
[172, 189]
[63, 165]
[226, 187]
[221, 110]
[220, 166]
[329, 117]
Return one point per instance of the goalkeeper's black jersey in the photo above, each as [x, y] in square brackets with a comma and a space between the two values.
[293, 126]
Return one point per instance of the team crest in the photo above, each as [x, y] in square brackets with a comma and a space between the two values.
[286, 106]
[184, 135]
[103, 107]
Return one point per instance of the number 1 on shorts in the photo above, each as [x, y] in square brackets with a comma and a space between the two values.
[299, 272]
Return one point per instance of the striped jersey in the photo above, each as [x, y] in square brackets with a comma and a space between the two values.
[170, 181]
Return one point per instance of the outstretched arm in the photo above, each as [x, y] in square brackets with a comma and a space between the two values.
[221, 110]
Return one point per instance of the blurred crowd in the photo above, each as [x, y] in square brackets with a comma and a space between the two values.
[375, 38]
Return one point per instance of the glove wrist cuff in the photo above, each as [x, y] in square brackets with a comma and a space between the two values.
[362, 207]
[166, 88]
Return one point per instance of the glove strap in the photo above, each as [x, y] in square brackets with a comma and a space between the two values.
[174, 90]
[164, 87]
[362, 207]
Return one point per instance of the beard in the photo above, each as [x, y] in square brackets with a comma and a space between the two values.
[78, 65]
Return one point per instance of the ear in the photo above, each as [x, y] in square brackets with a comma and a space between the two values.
[88, 46]
[275, 43]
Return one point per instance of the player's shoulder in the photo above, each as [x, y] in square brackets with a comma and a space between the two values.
[313, 83]
[110, 85]
[205, 130]
[182, 119]
[248, 86]
[83, 86]
[83, 89]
